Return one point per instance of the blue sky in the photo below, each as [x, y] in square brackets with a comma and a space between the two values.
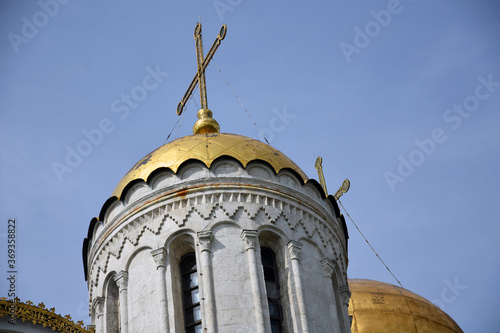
[402, 98]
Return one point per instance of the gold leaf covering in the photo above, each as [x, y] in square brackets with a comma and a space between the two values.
[382, 307]
[206, 148]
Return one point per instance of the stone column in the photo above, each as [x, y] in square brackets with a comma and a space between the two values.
[294, 248]
[328, 270]
[249, 237]
[98, 307]
[345, 294]
[121, 280]
[159, 256]
[208, 295]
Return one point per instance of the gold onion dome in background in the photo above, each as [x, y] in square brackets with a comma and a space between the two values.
[382, 307]
[206, 148]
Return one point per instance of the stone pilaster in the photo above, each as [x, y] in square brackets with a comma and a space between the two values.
[250, 239]
[121, 280]
[160, 257]
[328, 271]
[345, 294]
[294, 249]
[205, 243]
[98, 309]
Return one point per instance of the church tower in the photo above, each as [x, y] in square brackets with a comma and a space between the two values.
[217, 232]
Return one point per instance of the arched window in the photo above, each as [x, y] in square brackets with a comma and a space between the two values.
[191, 294]
[112, 307]
[272, 289]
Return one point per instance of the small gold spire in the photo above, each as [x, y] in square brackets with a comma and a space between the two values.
[205, 123]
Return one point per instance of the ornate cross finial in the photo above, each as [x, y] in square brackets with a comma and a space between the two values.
[342, 189]
[345, 185]
[205, 123]
[319, 167]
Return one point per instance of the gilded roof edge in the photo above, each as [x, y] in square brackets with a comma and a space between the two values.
[38, 314]
[206, 148]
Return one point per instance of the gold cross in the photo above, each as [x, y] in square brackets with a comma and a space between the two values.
[319, 167]
[343, 189]
[202, 64]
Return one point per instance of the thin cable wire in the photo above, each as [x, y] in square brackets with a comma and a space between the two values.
[367, 242]
[178, 128]
[181, 117]
[173, 128]
[194, 99]
[241, 103]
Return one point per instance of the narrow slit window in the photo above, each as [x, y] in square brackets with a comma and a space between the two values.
[190, 294]
[272, 289]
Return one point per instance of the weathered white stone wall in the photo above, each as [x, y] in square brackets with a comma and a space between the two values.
[177, 212]
[233, 292]
[314, 284]
[142, 293]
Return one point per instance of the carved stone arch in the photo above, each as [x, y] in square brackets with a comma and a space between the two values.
[289, 179]
[314, 244]
[315, 186]
[98, 228]
[111, 303]
[113, 210]
[314, 191]
[180, 243]
[192, 169]
[261, 170]
[216, 225]
[273, 238]
[125, 195]
[109, 277]
[161, 178]
[134, 254]
[105, 207]
[227, 166]
[136, 192]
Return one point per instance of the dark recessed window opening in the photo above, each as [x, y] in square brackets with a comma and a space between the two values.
[190, 294]
[272, 289]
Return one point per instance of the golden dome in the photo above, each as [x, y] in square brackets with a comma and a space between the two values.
[379, 307]
[206, 148]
